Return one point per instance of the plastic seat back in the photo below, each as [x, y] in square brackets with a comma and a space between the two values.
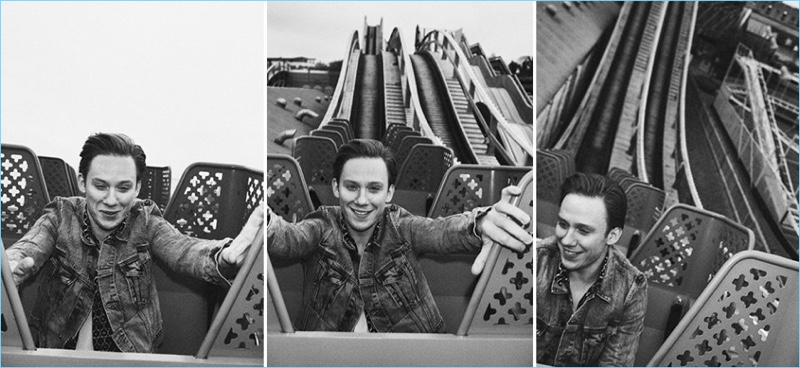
[287, 192]
[278, 319]
[747, 316]
[344, 124]
[552, 168]
[238, 327]
[56, 177]
[503, 298]
[405, 147]
[420, 176]
[157, 185]
[15, 330]
[335, 136]
[645, 205]
[391, 132]
[687, 246]
[465, 187]
[212, 201]
[315, 156]
[397, 139]
[339, 129]
[24, 192]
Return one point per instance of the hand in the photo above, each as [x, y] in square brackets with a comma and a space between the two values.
[19, 270]
[499, 226]
[235, 253]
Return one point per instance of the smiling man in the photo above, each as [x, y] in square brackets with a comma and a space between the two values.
[360, 258]
[590, 300]
[102, 294]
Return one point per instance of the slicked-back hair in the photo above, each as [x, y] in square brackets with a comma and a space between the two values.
[598, 186]
[364, 148]
[112, 144]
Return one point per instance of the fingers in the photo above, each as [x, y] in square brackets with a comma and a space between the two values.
[508, 192]
[518, 215]
[507, 233]
[20, 269]
[480, 260]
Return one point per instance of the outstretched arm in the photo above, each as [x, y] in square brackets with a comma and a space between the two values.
[504, 225]
[235, 254]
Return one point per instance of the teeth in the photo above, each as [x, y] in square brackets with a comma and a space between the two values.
[361, 212]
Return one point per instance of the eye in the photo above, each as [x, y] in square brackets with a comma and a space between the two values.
[374, 189]
[584, 231]
[562, 224]
[352, 188]
[123, 189]
[100, 186]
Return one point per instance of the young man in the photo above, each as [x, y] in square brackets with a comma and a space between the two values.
[360, 258]
[590, 301]
[102, 294]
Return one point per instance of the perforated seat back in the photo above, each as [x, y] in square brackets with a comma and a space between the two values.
[391, 132]
[316, 155]
[406, 145]
[552, 168]
[287, 192]
[344, 124]
[645, 205]
[24, 192]
[420, 177]
[687, 246]
[503, 299]
[157, 185]
[397, 139]
[747, 316]
[465, 187]
[335, 136]
[278, 319]
[212, 201]
[238, 327]
[56, 177]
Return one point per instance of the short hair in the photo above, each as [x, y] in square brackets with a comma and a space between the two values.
[598, 186]
[364, 148]
[113, 144]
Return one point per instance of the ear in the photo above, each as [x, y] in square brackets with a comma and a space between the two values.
[391, 193]
[81, 183]
[138, 188]
[613, 236]
[335, 188]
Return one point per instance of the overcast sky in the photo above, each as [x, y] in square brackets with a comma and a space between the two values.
[322, 30]
[183, 79]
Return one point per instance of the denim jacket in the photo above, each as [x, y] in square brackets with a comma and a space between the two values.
[605, 329]
[386, 283]
[122, 264]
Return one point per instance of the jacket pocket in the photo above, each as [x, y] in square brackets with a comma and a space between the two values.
[136, 269]
[594, 341]
[328, 282]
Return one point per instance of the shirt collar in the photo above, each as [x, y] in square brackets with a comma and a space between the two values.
[561, 280]
[86, 227]
[348, 239]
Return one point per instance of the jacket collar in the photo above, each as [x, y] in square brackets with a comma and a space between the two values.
[602, 287]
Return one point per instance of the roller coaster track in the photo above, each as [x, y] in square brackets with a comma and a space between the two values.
[667, 145]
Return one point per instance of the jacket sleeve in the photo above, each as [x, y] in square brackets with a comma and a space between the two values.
[621, 347]
[187, 255]
[39, 242]
[453, 234]
[290, 241]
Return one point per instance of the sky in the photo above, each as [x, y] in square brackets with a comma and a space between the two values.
[322, 30]
[183, 79]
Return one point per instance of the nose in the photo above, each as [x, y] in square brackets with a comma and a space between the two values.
[569, 237]
[110, 199]
[361, 199]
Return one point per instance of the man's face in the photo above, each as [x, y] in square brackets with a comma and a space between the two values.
[110, 185]
[363, 192]
[581, 232]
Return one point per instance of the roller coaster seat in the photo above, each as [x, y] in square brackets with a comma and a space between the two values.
[391, 132]
[687, 246]
[24, 197]
[338, 129]
[420, 176]
[406, 145]
[212, 201]
[157, 185]
[316, 155]
[645, 204]
[57, 177]
[503, 298]
[552, 168]
[397, 139]
[287, 192]
[334, 135]
[344, 124]
[15, 331]
[238, 327]
[747, 315]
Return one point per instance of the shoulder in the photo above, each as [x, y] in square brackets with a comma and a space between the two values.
[624, 268]
[547, 245]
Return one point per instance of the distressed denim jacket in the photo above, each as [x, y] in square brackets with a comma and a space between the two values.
[386, 283]
[122, 264]
[605, 329]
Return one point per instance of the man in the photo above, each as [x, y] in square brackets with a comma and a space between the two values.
[102, 294]
[360, 258]
[590, 300]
